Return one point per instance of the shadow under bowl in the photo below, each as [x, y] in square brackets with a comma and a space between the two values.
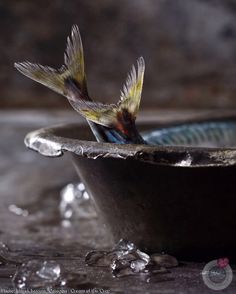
[176, 199]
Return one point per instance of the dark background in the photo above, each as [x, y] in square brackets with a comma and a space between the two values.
[189, 47]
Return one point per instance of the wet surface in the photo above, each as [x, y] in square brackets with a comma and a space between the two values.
[43, 245]
[126, 259]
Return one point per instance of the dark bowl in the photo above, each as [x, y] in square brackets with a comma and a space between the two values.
[176, 199]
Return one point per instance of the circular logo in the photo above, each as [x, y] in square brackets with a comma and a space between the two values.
[217, 274]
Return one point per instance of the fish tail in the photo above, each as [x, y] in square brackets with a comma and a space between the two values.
[106, 121]
[125, 111]
[70, 79]
[119, 117]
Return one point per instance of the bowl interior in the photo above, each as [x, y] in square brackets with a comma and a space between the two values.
[210, 134]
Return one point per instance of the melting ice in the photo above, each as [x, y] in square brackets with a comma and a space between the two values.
[36, 274]
[126, 259]
[76, 202]
[48, 275]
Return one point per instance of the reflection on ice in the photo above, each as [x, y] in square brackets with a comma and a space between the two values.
[50, 270]
[47, 275]
[76, 203]
[126, 259]
[36, 274]
[17, 210]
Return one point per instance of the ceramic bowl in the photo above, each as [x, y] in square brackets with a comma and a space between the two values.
[176, 199]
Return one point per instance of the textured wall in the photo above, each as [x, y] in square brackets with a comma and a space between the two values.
[189, 47]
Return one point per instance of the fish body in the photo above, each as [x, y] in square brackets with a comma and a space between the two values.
[113, 123]
[198, 134]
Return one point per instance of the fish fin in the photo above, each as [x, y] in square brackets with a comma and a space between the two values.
[100, 113]
[116, 115]
[44, 75]
[132, 90]
[56, 79]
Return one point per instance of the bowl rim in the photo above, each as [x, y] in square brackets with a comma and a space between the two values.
[47, 142]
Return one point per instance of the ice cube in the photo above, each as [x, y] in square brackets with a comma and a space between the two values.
[138, 265]
[123, 248]
[126, 259]
[144, 256]
[124, 245]
[76, 203]
[50, 270]
[37, 274]
[121, 268]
